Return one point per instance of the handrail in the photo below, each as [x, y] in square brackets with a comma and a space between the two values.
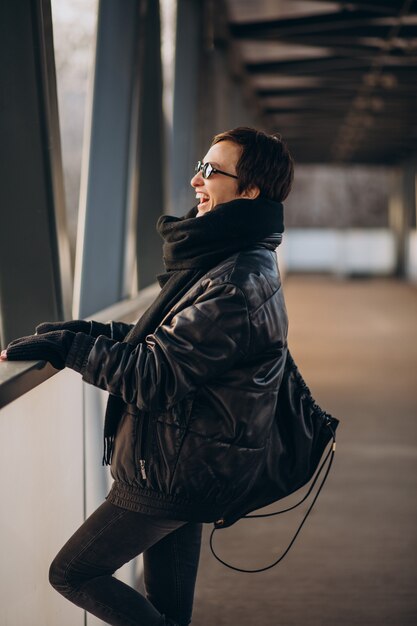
[19, 377]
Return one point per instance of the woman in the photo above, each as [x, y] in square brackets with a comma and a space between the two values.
[192, 387]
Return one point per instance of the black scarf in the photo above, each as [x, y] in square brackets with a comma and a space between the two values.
[192, 246]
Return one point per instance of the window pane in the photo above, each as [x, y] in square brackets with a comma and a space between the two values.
[74, 25]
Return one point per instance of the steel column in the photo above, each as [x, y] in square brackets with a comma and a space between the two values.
[151, 162]
[402, 213]
[106, 199]
[35, 275]
[186, 103]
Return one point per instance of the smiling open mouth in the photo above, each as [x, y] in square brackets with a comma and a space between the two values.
[203, 200]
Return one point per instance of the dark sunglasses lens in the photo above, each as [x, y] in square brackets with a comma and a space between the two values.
[207, 170]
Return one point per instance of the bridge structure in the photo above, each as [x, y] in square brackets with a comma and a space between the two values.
[338, 80]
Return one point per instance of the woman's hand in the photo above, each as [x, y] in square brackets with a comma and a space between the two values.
[76, 326]
[53, 347]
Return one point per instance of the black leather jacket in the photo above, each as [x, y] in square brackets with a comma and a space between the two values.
[200, 392]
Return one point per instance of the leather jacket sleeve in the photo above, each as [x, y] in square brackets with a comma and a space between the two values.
[119, 330]
[198, 343]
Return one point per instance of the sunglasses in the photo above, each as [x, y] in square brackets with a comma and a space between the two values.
[207, 170]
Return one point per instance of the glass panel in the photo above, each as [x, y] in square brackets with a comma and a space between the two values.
[168, 12]
[74, 25]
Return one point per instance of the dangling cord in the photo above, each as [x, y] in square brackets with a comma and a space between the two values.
[304, 498]
[330, 455]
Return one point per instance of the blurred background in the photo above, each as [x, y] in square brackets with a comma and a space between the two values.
[105, 108]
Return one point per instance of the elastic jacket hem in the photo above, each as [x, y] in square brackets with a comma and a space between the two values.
[149, 502]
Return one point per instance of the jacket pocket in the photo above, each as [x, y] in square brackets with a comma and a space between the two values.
[123, 466]
[159, 449]
[144, 446]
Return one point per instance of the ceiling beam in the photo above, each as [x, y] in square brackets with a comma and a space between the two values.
[378, 6]
[307, 24]
[349, 91]
[308, 66]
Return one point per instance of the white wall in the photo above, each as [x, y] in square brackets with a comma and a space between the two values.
[340, 251]
[41, 486]
[51, 477]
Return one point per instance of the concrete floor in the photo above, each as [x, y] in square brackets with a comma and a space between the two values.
[355, 342]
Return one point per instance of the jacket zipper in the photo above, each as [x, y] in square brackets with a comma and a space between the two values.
[144, 446]
[142, 468]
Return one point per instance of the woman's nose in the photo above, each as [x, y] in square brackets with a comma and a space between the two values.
[197, 180]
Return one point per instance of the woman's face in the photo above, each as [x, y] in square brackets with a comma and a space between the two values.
[219, 188]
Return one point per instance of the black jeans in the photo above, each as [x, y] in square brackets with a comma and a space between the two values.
[83, 569]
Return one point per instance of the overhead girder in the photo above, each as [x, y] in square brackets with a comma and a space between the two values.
[352, 69]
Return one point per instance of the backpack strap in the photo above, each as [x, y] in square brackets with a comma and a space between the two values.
[327, 459]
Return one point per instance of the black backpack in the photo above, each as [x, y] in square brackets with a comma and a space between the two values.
[299, 435]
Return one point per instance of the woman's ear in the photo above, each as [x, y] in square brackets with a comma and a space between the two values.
[251, 192]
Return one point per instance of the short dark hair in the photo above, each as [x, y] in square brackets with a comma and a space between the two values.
[265, 161]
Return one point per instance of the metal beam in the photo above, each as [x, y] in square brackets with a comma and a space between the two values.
[403, 211]
[379, 6]
[112, 139]
[151, 170]
[310, 66]
[35, 275]
[184, 132]
[309, 24]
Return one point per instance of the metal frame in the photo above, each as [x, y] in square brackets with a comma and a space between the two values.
[35, 275]
[150, 152]
[106, 199]
[186, 99]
